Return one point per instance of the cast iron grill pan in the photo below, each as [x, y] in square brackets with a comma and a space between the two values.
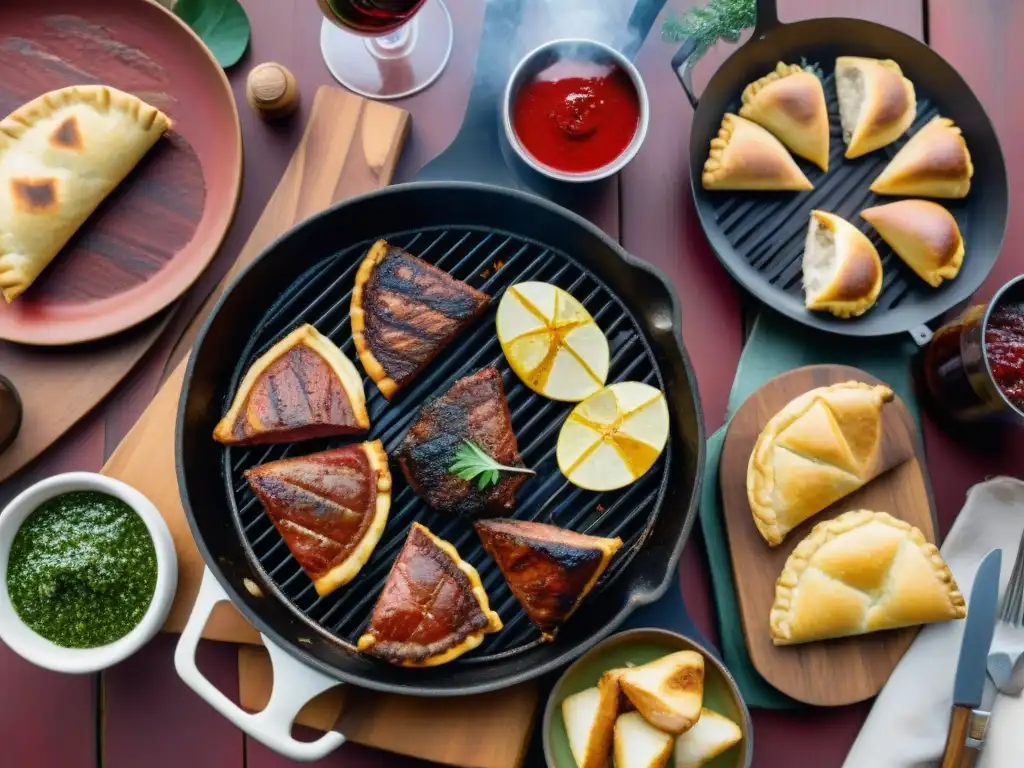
[489, 260]
[759, 236]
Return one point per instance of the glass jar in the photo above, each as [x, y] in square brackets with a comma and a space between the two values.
[955, 368]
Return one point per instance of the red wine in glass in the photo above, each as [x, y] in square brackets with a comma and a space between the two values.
[385, 49]
[373, 17]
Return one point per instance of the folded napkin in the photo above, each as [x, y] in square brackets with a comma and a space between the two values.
[776, 345]
[908, 723]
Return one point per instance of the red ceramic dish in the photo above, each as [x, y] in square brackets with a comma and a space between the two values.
[150, 240]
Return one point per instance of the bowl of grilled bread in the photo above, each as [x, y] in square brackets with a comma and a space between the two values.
[647, 698]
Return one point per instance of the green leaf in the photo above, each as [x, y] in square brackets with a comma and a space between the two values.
[472, 462]
[719, 19]
[221, 24]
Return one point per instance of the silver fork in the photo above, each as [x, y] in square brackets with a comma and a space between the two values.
[1006, 658]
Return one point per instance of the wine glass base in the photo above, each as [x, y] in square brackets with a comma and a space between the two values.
[394, 66]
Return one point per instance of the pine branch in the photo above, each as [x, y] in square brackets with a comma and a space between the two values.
[719, 19]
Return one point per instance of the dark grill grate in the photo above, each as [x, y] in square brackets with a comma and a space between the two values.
[322, 297]
[767, 229]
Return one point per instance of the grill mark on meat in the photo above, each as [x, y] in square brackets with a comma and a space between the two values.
[473, 409]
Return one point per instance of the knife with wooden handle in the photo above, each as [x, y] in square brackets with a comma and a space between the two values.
[969, 723]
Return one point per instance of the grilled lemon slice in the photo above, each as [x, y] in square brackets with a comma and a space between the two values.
[552, 342]
[614, 436]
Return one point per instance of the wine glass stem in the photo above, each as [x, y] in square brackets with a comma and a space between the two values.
[396, 44]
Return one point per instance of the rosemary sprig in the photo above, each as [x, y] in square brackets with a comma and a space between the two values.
[719, 19]
[472, 462]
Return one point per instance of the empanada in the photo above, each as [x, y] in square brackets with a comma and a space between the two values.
[60, 156]
[744, 156]
[842, 271]
[861, 572]
[924, 234]
[876, 103]
[823, 445]
[934, 163]
[790, 102]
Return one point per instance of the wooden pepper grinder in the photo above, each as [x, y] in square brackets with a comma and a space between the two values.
[271, 90]
[10, 413]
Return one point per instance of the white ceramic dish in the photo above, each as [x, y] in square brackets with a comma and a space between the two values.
[545, 55]
[36, 648]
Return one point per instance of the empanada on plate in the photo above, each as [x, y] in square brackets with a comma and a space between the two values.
[60, 156]
[745, 156]
[822, 446]
[924, 234]
[876, 103]
[862, 572]
[934, 163]
[842, 271]
[790, 102]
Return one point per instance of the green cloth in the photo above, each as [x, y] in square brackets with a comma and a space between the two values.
[777, 345]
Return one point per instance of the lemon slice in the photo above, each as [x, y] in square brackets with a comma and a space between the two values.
[552, 342]
[614, 436]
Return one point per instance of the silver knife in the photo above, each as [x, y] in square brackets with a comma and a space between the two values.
[969, 723]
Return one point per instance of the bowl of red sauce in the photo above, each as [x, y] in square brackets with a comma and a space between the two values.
[575, 110]
[973, 368]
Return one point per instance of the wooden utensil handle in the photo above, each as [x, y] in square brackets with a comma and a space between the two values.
[966, 728]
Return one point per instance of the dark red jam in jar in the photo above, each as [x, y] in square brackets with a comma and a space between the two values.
[577, 116]
[1004, 347]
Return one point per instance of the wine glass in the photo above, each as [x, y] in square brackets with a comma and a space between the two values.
[385, 49]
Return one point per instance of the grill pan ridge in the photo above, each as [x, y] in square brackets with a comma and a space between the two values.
[466, 229]
[759, 236]
[470, 255]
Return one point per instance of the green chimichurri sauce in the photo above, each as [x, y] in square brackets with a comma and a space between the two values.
[82, 569]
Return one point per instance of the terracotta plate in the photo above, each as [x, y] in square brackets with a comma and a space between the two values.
[147, 243]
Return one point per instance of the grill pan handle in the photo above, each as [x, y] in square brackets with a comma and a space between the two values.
[688, 54]
[294, 686]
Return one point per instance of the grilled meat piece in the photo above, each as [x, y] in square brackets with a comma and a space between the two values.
[329, 507]
[433, 607]
[302, 387]
[473, 409]
[404, 312]
[549, 569]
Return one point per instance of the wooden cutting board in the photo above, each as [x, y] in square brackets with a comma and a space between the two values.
[830, 672]
[350, 146]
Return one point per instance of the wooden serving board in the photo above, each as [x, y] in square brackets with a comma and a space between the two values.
[350, 147]
[829, 672]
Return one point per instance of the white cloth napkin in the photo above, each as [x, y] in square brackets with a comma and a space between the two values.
[909, 721]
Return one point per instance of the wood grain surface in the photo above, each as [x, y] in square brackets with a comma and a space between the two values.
[828, 672]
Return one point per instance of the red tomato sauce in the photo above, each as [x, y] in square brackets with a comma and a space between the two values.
[1004, 346]
[577, 116]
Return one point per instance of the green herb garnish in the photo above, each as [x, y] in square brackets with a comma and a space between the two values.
[719, 19]
[472, 462]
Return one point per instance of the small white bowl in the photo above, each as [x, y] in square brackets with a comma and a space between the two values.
[36, 648]
[545, 55]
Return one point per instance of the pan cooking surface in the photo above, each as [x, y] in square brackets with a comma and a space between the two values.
[768, 229]
[759, 236]
[489, 260]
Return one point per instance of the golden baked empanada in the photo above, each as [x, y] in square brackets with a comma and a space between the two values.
[861, 572]
[876, 103]
[790, 102]
[842, 271]
[823, 445]
[60, 156]
[924, 234]
[934, 163]
[745, 156]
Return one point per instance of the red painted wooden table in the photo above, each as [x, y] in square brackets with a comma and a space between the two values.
[140, 714]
